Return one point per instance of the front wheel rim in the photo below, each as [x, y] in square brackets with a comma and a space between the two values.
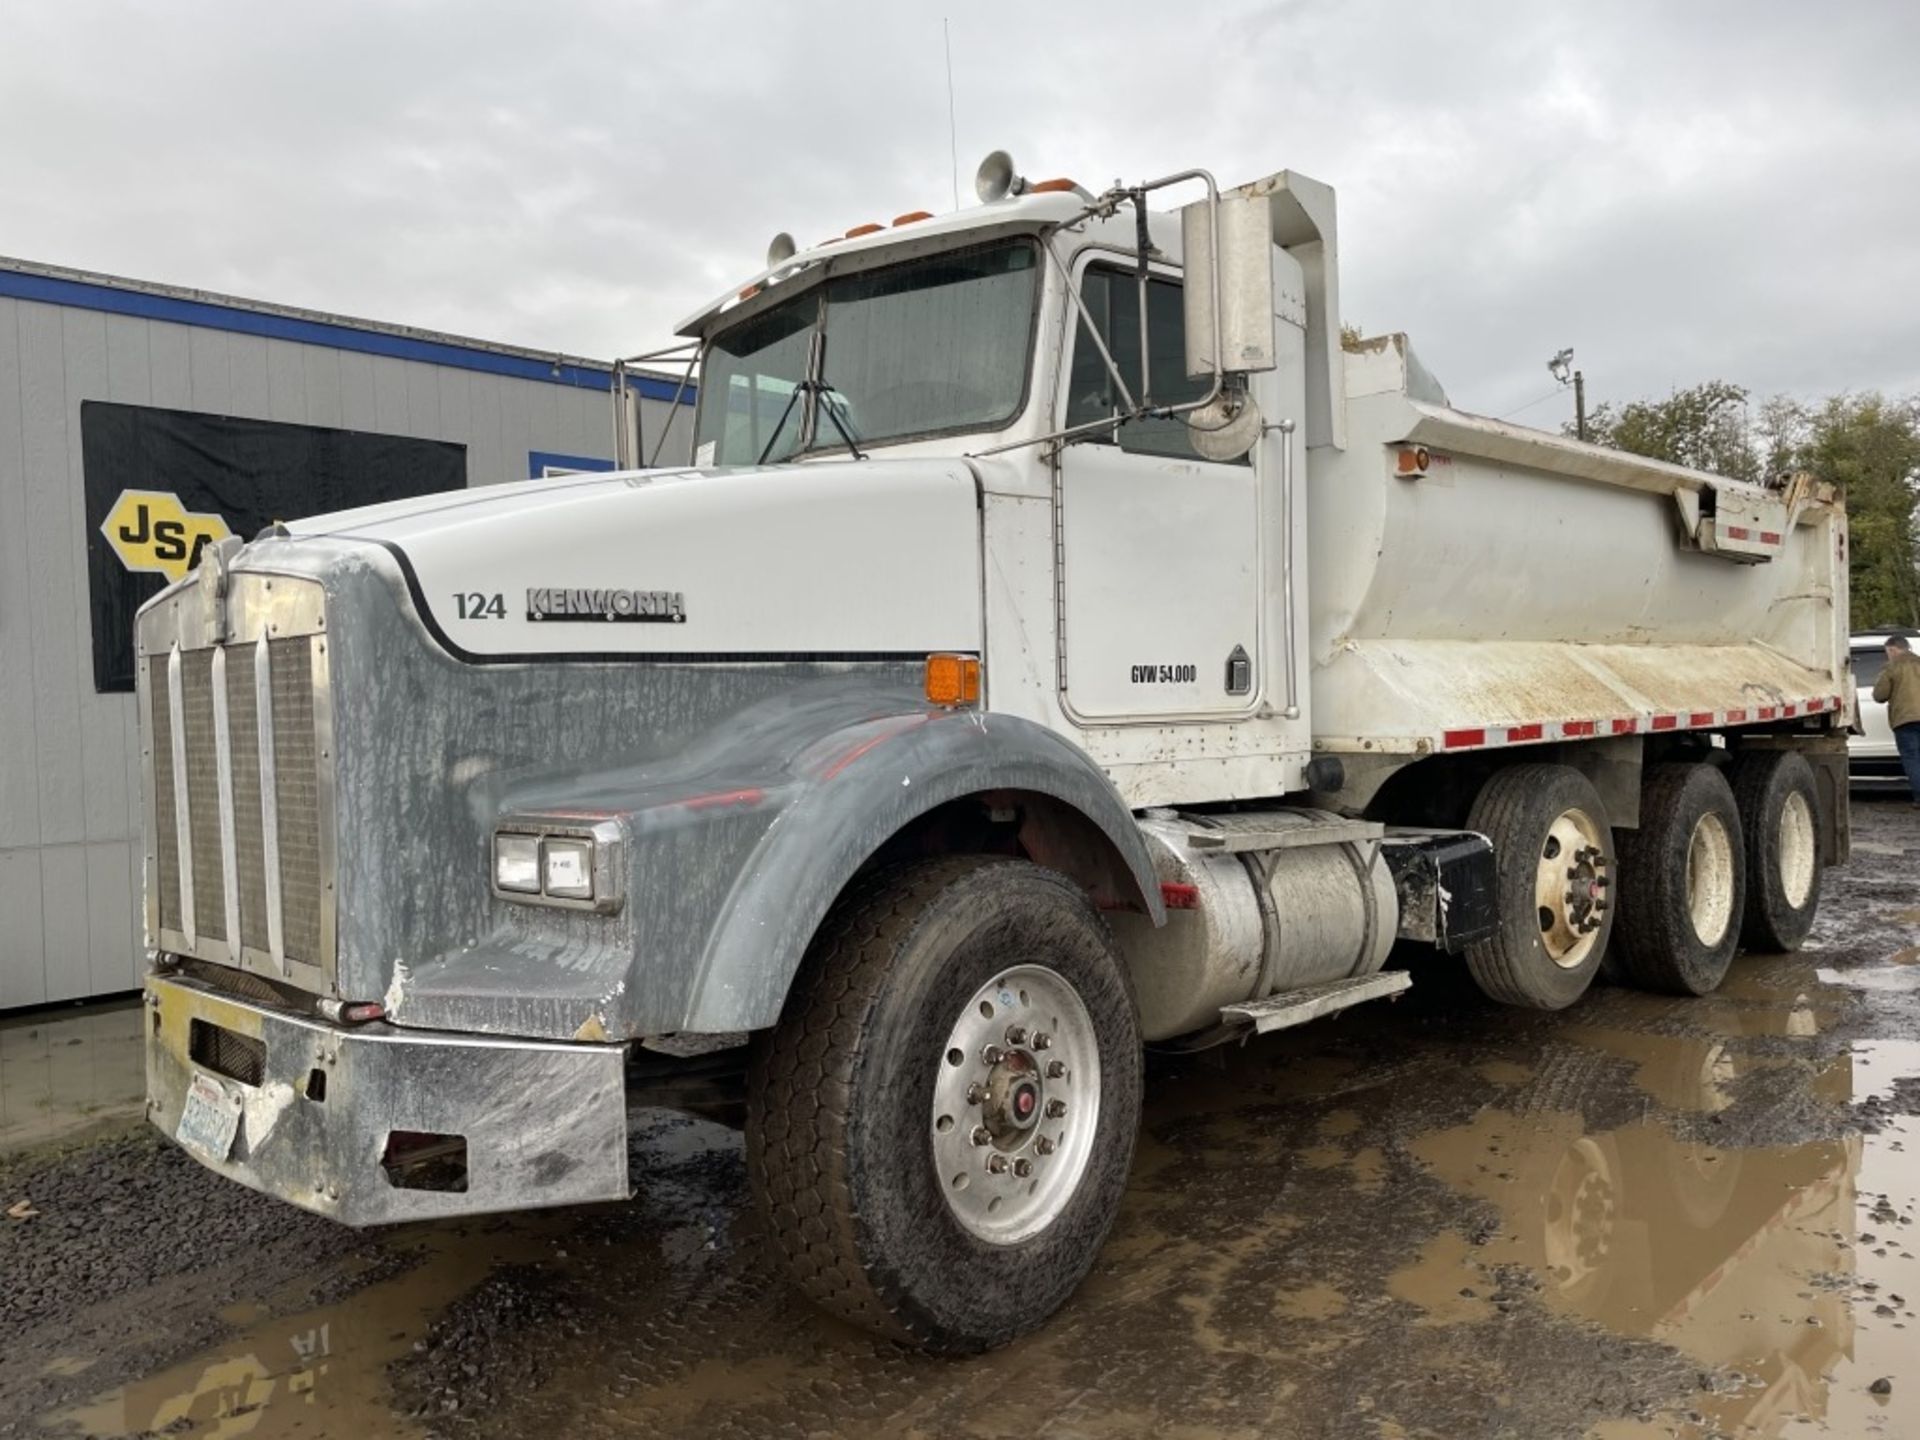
[1710, 880]
[1797, 851]
[1016, 1104]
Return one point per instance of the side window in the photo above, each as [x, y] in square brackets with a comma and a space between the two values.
[1113, 299]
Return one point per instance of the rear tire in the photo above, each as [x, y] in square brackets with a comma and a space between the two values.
[1779, 812]
[911, 1187]
[1682, 882]
[1553, 869]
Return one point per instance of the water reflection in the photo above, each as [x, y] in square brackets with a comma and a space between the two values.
[1754, 1262]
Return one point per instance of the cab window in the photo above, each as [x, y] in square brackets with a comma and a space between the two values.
[1113, 299]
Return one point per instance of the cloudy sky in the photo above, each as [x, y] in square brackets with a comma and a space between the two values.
[1679, 191]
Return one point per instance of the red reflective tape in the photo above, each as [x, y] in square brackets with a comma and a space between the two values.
[1625, 727]
[1739, 532]
[1571, 728]
[1736, 717]
[1666, 722]
[1769, 537]
[1180, 897]
[1789, 711]
[1517, 733]
[1767, 712]
[1700, 717]
[1460, 739]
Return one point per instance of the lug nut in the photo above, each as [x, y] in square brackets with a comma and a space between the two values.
[976, 1093]
[1042, 1040]
[1016, 1035]
[982, 1135]
[1055, 1069]
[1023, 1167]
[1043, 1146]
[997, 1164]
[992, 1055]
[1056, 1108]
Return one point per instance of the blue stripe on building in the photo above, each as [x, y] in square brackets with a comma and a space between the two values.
[209, 315]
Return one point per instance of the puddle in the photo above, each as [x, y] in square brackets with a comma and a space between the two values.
[1763, 1264]
[316, 1373]
[64, 1073]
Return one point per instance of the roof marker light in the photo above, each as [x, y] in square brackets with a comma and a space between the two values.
[857, 231]
[911, 216]
[1054, 187]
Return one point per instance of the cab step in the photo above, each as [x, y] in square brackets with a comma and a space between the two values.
[1296, 1007]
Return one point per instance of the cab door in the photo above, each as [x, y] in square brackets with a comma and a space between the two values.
[1160, 551]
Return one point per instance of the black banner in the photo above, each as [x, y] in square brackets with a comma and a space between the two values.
[161, 484]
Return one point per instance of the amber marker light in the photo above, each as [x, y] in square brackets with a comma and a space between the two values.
[867, 229]
[913, 217]
[1053, 187]
[953, 679]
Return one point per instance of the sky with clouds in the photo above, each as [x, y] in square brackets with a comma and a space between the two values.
[1679, 191]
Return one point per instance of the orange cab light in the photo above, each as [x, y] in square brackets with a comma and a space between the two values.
[1051, 187]
[857, 231]
[953, 679]
[749, 292]
[911, 216]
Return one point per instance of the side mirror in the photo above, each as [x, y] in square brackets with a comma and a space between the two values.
[1244, 324]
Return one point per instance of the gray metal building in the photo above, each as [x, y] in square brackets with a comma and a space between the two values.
[69, 755]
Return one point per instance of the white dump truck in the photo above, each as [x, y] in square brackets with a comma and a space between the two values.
[1059, 642]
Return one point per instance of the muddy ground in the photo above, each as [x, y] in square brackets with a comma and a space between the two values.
[1643, 1217]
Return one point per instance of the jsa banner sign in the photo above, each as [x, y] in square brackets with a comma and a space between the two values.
[162, 485]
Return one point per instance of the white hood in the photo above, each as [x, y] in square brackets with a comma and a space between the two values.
[834, 560]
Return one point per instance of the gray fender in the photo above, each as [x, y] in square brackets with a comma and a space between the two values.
[864, 783]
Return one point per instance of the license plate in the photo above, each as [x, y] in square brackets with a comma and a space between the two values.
[209, 1120]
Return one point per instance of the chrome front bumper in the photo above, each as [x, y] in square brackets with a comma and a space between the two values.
[543, 1123]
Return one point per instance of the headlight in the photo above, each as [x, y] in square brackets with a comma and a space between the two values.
[516, 863]
[539, 860]
[569, 868]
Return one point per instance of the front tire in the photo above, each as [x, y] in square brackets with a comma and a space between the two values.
[1682, 882]
[1779, 813]
[1553, 868]
[940, 1128]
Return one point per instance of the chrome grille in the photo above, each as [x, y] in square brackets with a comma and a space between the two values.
[239, 756]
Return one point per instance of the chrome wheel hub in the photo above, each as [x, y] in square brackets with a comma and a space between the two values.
[1571, 884]
[1016, 1104]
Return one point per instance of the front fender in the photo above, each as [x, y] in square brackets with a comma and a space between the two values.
[856, 788]
[737, 845]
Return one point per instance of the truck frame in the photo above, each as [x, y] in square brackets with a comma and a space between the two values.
[1062, 640]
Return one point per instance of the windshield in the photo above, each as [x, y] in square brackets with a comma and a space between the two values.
[931, 345]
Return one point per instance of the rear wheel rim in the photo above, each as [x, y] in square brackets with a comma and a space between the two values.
[1710, 880]
[1797, 851]
[1571, 888]
[1016, 1104]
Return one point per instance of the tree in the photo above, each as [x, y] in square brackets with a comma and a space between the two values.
[1703, 427]
[1871, 445]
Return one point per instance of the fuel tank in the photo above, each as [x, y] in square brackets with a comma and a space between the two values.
[1245, 924]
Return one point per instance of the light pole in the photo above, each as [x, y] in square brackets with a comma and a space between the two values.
[1559, 366]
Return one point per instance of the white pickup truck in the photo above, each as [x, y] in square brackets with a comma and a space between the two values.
[1060, 641]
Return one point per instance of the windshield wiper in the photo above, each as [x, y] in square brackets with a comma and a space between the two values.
[830, 402]
[824, 396]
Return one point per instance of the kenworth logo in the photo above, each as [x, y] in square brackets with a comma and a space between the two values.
[658, 607]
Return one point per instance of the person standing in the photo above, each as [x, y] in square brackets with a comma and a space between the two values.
[1898, 688]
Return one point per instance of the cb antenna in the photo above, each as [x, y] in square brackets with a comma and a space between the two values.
[953, 139]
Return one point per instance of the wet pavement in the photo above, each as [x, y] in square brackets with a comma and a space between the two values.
[1644, 1217]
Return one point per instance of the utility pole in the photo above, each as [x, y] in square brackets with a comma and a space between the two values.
[1561, 368]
